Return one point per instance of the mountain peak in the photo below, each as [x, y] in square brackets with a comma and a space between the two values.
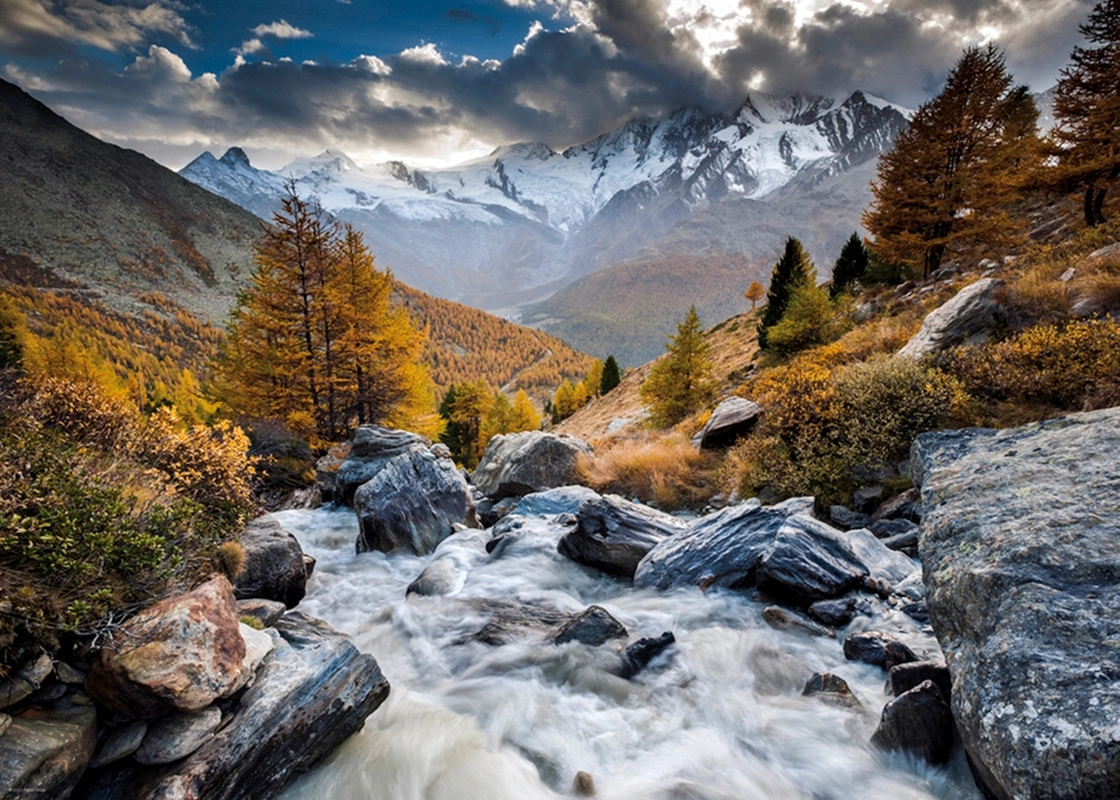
[235, 156]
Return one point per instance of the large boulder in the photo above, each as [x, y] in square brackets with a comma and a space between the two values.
[44, 752]
[720, 549]
[412, 503]
[968, 316]
[371, 448]
[809, 560]
[313, 691]
[1019, 549]
[732, 418]
[274, 567]
[516, 464]
[613, 534]
[180, 654]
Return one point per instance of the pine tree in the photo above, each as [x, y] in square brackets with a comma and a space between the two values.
[681, 382]
[465, 407]
[1087, 109]
[951, 175]
[314, 341]
[793, 269]
[851, 265]
[612, 375]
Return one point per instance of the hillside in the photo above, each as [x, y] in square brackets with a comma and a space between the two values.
[125, 271]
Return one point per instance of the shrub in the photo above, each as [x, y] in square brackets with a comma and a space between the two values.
[1056, 365]
[811, 318]
[825, 425]
[665, 471]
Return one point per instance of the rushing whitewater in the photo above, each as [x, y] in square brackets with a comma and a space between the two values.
[718, 716]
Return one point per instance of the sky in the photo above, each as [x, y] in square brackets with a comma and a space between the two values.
[432, 83]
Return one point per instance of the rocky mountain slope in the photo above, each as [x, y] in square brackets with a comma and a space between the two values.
[524, 221]
[87, 214]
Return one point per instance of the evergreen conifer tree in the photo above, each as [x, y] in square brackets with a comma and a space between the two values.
[612, 375]
[793, 269]
[682, 381]
[851, 265]
[1087, 109]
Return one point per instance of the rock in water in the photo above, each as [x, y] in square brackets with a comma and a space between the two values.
[312, 692]
[809, 561]
[637, 656]
[970, 314]
[516, 464]
[613, 534]
[732, 418]
[1019, 548]
[411, 504]
[274, 568]
[917, 722]
[371, 448]
[593, 627]
[180, 654]
[721, 549]
[44, 752]
[878, 649]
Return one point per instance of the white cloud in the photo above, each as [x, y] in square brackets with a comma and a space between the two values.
[426, 53]
[282, 30]
[250, 47]
[373, 65]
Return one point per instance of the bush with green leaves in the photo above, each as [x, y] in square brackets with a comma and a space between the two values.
[103, 511]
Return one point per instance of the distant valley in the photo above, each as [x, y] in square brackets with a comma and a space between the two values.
[662, 214]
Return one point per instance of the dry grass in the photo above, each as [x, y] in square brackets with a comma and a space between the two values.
[664, 471]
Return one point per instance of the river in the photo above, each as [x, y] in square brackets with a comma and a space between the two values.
[719, 716]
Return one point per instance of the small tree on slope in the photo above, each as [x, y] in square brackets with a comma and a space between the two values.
[793, 269]
[682, 381]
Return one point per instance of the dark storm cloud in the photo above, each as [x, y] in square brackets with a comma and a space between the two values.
[622, 58]
[469, 17]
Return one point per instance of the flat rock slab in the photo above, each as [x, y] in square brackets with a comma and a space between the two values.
[1020, 545]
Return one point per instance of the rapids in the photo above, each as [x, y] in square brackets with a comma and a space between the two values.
[719, 716]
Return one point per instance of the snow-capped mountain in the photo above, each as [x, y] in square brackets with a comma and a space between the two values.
[525, 220]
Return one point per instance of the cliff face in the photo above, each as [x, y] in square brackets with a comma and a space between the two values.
[1019, 546]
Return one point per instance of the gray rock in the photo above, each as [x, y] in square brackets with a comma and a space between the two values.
[837, 613]
[878, 648]
[969, 315]
[1019, 548]
[889, 528]
[267, 611]
[489, 511]
[904, 677]
[638, 655]
[26, 680]
[511, 620]
[267, 743]
[613, 534]
[119, 742]
[733, 418]
[904, 542]
[371, 448]
[720, 549]
[177, 735]
[845, 519]
[884, 565]
[452, 561]
[517, 464]
[68, 674]
[783, 619]
[274, 568]
[918, 722]
[905, 505]
[867, 498]
[258, 644]
[593, 627]
[551, 502]
[830, 688]
[411, 504]
[44, 753]
[809, 560]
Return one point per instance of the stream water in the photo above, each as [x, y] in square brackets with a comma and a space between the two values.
[718, 716]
